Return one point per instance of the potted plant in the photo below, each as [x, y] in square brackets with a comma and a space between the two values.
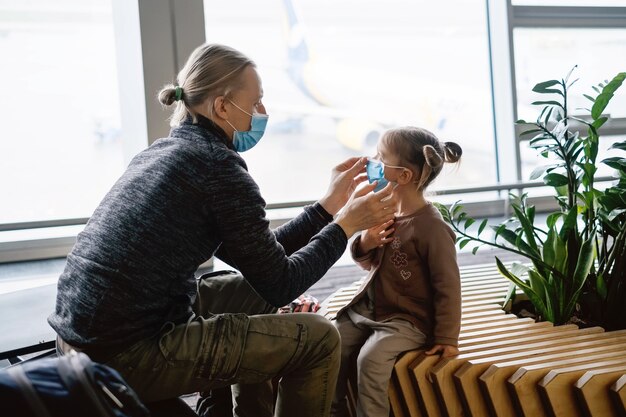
[579, 255]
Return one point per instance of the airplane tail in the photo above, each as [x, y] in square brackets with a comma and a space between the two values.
[299, 56]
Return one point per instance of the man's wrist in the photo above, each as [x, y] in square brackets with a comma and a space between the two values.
[323, 213]
[330, 205]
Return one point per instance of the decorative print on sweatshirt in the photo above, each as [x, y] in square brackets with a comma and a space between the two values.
[399, 259]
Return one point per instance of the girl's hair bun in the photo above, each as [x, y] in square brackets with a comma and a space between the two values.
[452, 151]
[431, 156]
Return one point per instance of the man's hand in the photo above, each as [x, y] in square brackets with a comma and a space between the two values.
[366, 209]
[344, 179]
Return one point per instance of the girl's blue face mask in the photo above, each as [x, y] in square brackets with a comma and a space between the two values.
[246, 140]
[375, 170]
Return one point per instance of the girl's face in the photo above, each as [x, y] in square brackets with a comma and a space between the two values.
[393, 172]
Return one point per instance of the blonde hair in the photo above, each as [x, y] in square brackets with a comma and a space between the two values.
[212, 70]
[420, 148]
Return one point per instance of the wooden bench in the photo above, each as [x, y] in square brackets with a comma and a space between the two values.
[507, 366]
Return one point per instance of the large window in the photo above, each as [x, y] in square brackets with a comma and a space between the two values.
[60, 147]
[336, 74]
[549, 39]
[545, 54]
[335, 81]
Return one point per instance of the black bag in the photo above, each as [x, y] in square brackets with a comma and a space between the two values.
[68, 386]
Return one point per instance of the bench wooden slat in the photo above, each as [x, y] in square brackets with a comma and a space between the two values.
[618, 393]
[524, 385]
[493, 381]
[556, 388]
[442, 374]
[593, 391]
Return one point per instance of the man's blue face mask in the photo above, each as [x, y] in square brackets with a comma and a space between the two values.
[246, 140]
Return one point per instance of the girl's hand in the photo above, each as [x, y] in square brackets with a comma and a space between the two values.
[375, 237]
[447, 350]
[343, 181]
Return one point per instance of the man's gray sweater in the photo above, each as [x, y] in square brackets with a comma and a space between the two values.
[183, 199]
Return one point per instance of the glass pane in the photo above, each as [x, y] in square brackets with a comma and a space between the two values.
[342, 71]
[60, 141]
[596, 3]
[546, 54]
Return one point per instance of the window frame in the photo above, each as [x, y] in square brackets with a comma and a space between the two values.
[154, 38]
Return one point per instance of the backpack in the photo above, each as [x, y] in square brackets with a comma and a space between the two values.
[67, 386]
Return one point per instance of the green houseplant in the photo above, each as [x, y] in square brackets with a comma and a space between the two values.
[580, 254]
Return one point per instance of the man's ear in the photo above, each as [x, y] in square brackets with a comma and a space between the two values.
[219, 107]
[405, 177]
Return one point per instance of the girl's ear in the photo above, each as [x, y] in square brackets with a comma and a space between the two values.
[219, 107]
[405, 177]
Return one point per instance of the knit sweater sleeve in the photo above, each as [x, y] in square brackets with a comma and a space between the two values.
[279, 274]
[445, 280]
[294, 234]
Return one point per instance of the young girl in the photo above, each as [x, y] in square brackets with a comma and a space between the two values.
[411, 296]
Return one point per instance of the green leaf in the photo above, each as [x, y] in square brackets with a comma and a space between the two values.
[607, 93]
[619, 145]
[616, 162]
[537, 282]
[585, 261]
[455, 209]
[589, 98]
[538, 172]
[530, 213]
[468, 223]
[534, 298]
[569, 223]
[547, 103]
[531, 131]
[519, 269]
[475, 249]
[464, 243]
[615, 213]
[569, 74]
[482, 226]
[552, 218]
[541, 87]
[548, 247]
[524, 247]
[509, 236]
[547, 118]
[599, 122]
[560, 253]
[601, 288]
[498, 229]
[586, 257]
[510, 294]
[555, 180]
[528, 230]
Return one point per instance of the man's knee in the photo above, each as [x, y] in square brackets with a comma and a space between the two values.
[324, 332]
